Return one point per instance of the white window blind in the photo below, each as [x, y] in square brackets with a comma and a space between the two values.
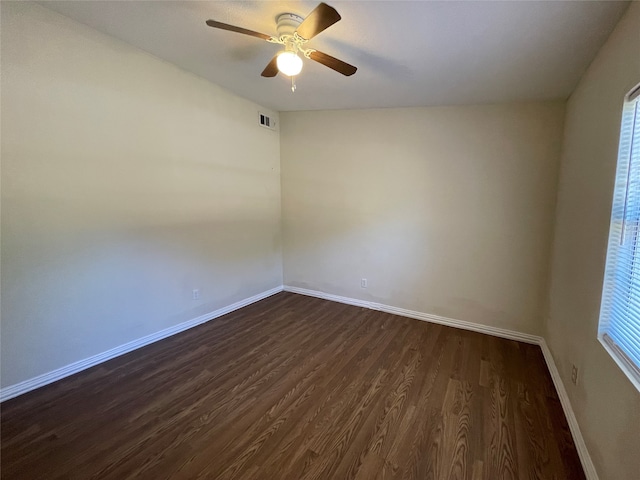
[619, 329]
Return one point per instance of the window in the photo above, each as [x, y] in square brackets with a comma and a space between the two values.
[619, 329]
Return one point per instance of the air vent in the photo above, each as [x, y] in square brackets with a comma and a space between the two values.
[266, 121]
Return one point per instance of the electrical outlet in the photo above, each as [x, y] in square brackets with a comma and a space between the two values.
[574, 374]
[196, 294]
[363, 283]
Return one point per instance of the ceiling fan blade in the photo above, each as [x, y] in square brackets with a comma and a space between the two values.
[322, 17]
[233, 28]
[333, 63]
[271, 70]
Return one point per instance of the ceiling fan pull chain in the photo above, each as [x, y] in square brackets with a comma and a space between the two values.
[293, 83]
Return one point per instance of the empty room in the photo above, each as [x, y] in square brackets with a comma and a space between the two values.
[297, 240]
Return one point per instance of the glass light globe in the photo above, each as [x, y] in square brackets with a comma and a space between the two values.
[289, 63]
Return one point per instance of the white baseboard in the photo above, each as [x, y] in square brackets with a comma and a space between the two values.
[60, 373]
[578, 439]
[427, 317]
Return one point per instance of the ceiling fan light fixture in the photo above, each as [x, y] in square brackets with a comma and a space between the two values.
[293, 33]
[289, 63]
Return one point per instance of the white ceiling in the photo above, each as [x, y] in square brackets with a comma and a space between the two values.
[408, 53]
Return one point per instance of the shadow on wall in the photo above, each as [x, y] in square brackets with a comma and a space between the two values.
[72, 293]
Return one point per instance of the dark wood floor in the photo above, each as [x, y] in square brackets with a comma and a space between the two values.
[294, 387]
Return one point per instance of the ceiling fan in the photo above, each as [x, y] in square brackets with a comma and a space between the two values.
[293, 33]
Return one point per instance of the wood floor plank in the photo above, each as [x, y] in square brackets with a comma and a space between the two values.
[294, 387]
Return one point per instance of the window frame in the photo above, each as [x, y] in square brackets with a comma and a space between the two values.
[615, 239]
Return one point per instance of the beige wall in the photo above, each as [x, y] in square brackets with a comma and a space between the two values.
[126, 183]
[444, 210]
[606, 404]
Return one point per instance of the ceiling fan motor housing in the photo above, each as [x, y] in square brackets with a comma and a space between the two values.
[287, 24]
